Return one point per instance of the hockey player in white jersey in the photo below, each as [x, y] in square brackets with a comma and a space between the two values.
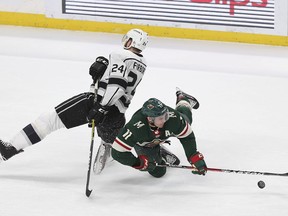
[118, 78]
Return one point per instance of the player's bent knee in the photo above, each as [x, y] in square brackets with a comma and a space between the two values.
[158, 172]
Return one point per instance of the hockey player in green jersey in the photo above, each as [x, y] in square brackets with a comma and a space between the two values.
[150, 127]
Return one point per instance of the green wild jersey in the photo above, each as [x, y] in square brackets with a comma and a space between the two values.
[138, 132]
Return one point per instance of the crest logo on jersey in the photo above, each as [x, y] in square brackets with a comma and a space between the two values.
[153, 143]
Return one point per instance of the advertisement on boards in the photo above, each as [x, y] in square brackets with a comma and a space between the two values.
[251, 16]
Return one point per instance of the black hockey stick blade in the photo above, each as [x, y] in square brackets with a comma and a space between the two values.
[88, 192]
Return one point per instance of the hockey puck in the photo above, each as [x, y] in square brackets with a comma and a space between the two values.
[261, 184]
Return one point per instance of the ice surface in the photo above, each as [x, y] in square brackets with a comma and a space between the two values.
[242, 123]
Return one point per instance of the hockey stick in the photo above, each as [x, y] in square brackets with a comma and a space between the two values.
[88, 192]
[224, 170]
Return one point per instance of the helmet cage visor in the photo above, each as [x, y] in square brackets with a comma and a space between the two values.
[125, 40]
[138, 38]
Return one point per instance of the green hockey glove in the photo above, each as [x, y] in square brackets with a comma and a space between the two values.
[197, 161]
[143, 164]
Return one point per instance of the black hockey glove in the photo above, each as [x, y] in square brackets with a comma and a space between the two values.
[97, 113]
[98, 68]
[144, 164]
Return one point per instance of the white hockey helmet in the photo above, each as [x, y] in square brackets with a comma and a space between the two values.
[139, 39]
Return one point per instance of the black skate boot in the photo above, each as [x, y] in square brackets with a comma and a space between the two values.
[7, 151]
[183, 96]
[169, 157]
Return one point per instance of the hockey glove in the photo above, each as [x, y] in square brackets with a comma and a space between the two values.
[197, 161]
[98, 68]
[97, 113]
[144, 164]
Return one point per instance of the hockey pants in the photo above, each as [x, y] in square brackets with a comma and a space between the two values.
[153, 155]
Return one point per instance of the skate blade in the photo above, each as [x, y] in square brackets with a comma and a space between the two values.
[102, 155]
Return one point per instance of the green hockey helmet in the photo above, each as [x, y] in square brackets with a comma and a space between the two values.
[154, 108]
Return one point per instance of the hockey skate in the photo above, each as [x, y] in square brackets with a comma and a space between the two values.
[183, 96]
[7, 151]
[169, 157]
[103, 153]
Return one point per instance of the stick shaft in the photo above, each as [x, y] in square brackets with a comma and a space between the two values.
[93, 89]
[246, 172]
[88, 190]
[225, 170]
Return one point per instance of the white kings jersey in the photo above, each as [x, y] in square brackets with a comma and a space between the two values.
[121, 78]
